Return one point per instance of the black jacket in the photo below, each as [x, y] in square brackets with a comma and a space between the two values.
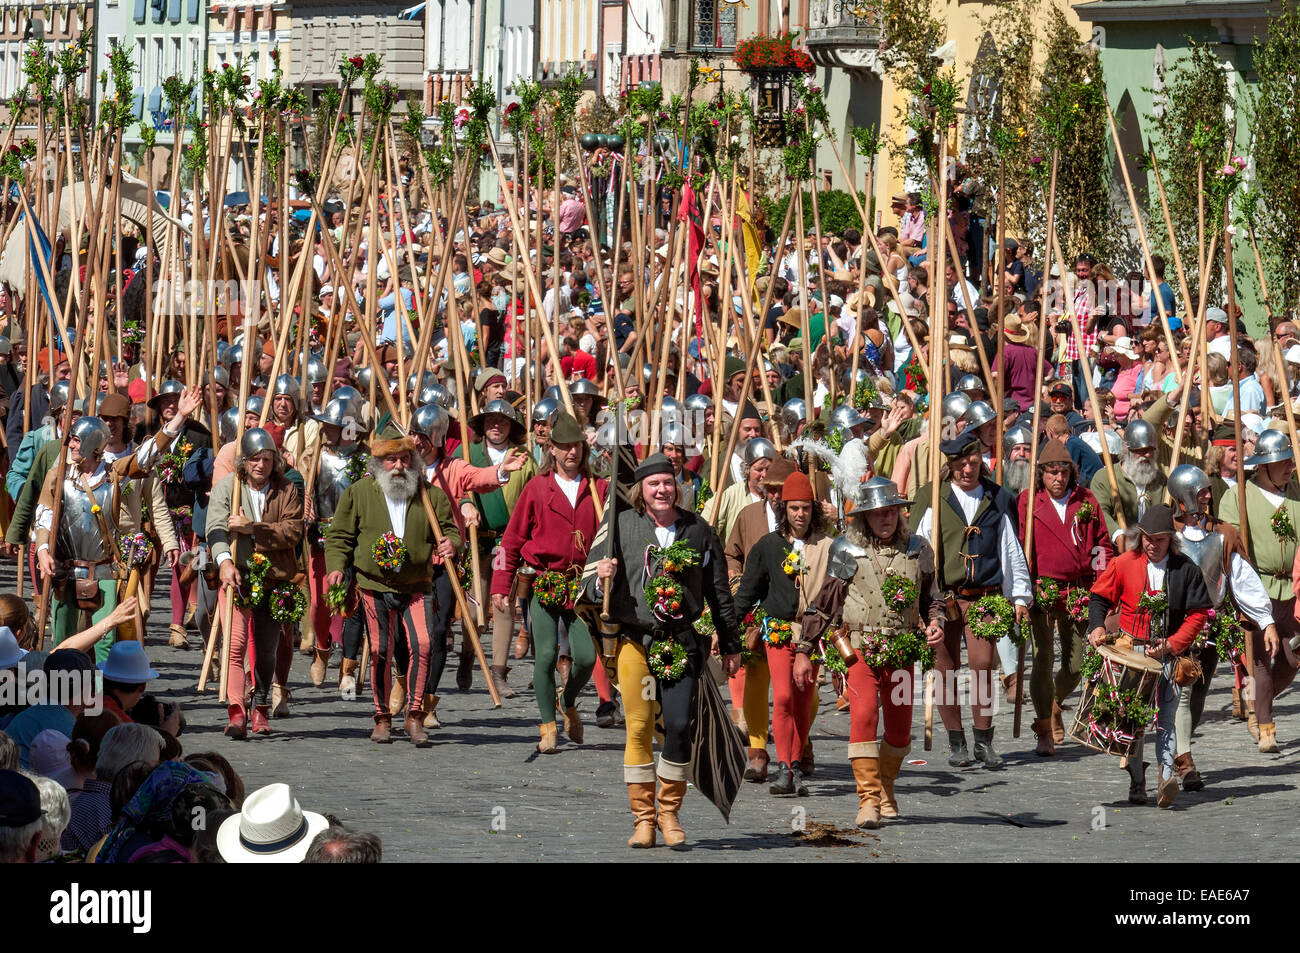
[765, 582]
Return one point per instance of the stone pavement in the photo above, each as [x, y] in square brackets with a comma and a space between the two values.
[481, 793]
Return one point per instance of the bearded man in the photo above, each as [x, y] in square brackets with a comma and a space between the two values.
[1139, 480]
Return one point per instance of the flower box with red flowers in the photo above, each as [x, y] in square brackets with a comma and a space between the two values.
[772, 54]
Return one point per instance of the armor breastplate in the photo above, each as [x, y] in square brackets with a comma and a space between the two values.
[331, 483]
[864, 604]
[1207, 553]
[80, 536]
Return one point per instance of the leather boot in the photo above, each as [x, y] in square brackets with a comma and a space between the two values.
[671, 795]
[866, 772]
[177, 639]
[317, 670]
[238, 727]
[261, 720]
[891, 762]
[959, 755]
[563, 666]
[519, 649]
[783, 785]
[1137, 784]
[1251, 724]
[1058, 724]
[499, 673]
[383, 733]
[757, 768]
[1043, 729]
[1168, 789]
[1011, 685]
[430, 706]
[842, 703]
[397, 696]
[280, 698]
[348, 677]
[984, 749]
[1268, 738]
[806, 761]
[1185, 768]
[549, 739]
[573, 725]
[1238, 710]
[465, 668]
[641, 795]
[414, 727]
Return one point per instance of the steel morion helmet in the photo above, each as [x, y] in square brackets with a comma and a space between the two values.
[846, 417]
[256, 440]
[955, 405]
[794, 412]
[969, 383]
[432, 421]
[1185, 484]
[544, 411]
[584, 388]
[555, 392]
[978, 414]
[93, 434]
[1140, 435]
[758, 448]
[1271, 447]
[877, 493]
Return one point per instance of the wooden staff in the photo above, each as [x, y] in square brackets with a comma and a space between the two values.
[1198, 333]
[1236, 406]
[998, 272]
[939, 323]
[970, 310]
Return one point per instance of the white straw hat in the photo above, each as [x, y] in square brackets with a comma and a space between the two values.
[271, 829]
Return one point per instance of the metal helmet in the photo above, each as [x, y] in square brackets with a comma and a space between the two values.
[419, 382]
[584, 388]
[317, 372]
[555, 392]
[698, 402]
[223, 353]
[235, 356]
[1185, 483]
[349, 394]
[59, 395]
[443, 396]
[170, 386]
[5, 346]
[971, 382]
[255, 441]
[93, 434]
[842, 558]
[432, 421]
[1018, 436]
[1272, 446]
[673, 432]
[335, 413]
[794, 412]
[955, 405]
[220, 375]
[363, 378]
[647, 372]
[228, 425]
[876, 494]
[286, 385]
[670, 409]
[545, 410]
[846, 417]
[980, 413]
[757, 449]
[1139, 435]
[256, 403]
[504, 408]
[260, 383]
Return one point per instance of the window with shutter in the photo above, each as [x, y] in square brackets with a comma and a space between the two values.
[174, 11]
[159, 10]
[192, 12]
[140, 6]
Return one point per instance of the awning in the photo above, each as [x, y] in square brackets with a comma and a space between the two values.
[410, 13]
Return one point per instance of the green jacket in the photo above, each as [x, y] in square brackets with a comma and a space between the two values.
[1272, 555]
[362, 517]
[25, 505]
[1128, 497]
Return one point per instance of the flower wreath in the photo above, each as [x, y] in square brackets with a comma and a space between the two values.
[776, 632]
[899, 591]
[170, 465]
[556, 590]
[1282, 525]
[990, 618]
[355, 468]
[667, 659]
[1047, 593]
[258, 567]
[1077, 600]
[135, 548]
[663, 593]
[389, 552]
[287, 603]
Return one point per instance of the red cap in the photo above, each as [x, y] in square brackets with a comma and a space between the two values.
[797, 488]
[135, 390]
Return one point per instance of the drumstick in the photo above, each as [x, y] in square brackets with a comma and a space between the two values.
[1020, 688]
[929, 709]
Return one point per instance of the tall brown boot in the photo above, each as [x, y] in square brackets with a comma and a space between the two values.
[1252, 725]
[397, 696]
[671, 795]
[1011, 685]
[1043, 729]
[1238, 710]
[1058, 724]
[414, 727]
[866, 772]
[1168, 789]
[891, 762]
[317, 670]
[280, 698]
[573, 725]
[348, 677]
[641, 795]
[1185, 768]
[430, 712]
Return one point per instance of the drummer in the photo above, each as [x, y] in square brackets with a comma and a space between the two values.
[1154, 568]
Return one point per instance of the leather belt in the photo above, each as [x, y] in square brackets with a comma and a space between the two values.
[977, 592]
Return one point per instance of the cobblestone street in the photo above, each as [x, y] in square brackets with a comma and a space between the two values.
[481, 793]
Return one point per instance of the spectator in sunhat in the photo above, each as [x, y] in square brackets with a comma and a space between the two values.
[271, 829]
[126, 672]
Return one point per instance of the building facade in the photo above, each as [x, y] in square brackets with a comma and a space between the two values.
[58, 24]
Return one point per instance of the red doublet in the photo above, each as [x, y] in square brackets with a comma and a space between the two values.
[1123, 583]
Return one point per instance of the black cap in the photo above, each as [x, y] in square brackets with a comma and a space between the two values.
[68, 660]
[1157, 520]
[20, 800]
[749, 412]
[1060, 387]
[964, 444]
[654, 464]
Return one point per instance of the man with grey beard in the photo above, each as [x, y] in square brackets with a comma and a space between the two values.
[380, 529]
[1015, 472]
[1140, 483]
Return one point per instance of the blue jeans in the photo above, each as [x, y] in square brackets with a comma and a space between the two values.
[1167, 695]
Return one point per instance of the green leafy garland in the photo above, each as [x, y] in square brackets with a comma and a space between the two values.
[336, 598]
[991, 618]
[1047, 593]
[1121, 709]
[898, 651]
[900, 592]
[556, 590]
[288, 602]
[667, 660]
[258, 567]
[1282, 525]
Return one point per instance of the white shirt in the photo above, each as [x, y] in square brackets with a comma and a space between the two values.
[570, 488]
[396, 514]
[771, 518]
[256, 500]
[665, 535]
[1247, 590]
[1015, 584]
[1156, 574]
[1061, 505]
[1275, 500]
[495, 455]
